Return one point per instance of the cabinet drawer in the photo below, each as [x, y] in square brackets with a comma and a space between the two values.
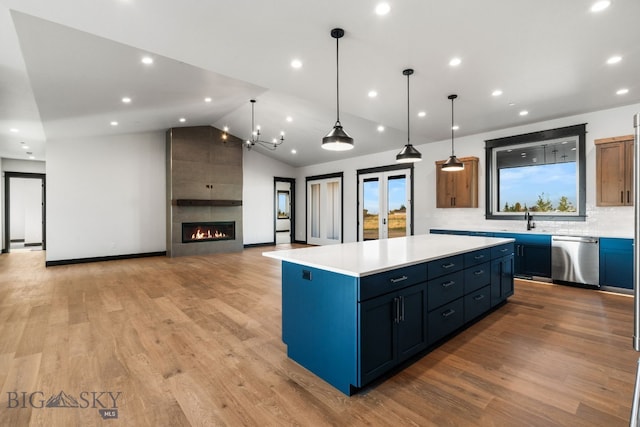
[444, 266]
[445, 320]
[444, 289]
[502, 250]
[477, 257]
[477, 277]
[381, 283]
[477, 303]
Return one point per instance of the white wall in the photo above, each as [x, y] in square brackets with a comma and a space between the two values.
[106, 196]
[258, 196]
[14, 165]
[609, 221]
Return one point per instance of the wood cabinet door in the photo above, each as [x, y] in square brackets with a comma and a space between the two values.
[457, 189]
[445, 187]
[614, 171]
[378, 339]
[412, 328]
[466, 185]
[628, 173]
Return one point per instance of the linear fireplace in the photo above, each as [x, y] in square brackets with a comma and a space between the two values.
[193, 232]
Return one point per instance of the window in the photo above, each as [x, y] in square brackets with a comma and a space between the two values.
[542, 173]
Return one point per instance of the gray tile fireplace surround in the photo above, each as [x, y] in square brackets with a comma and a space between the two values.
[204, 184]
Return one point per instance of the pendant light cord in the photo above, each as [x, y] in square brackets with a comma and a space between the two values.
[452, 151]
[338, 81]
[408, 113]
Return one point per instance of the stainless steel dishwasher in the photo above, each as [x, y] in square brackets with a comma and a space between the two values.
[575, 260]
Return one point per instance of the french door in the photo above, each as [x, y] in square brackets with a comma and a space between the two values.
[324, 210]
[384, 204]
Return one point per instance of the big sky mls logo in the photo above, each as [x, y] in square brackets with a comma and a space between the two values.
[106, 402]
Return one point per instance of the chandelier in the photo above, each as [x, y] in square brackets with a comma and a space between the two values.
[255, 134]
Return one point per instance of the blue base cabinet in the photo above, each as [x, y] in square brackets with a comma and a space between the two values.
[616, 262]
[351, 330]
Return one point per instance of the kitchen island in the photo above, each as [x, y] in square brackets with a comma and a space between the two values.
[354, 311]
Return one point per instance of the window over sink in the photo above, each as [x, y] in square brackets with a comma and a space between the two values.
[542, 173]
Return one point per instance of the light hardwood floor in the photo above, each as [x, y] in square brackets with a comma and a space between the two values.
[196, 341]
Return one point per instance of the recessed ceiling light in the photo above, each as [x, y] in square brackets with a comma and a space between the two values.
[114, 123]
[207, 99]
[31, 157]
[289, 119]
[523, 112]
[372, 94]
[14, 130]
[126, 100]
[455, 127]
[147, 60]
[614, 59]
[293, 151]
[380, 128]
[296, 63]
[26, 147]
[599, 6]
[496, 92]
[455, 62]
[422, 113]
[382, 9]
[622, 91]
[226, 129]
[182, 120]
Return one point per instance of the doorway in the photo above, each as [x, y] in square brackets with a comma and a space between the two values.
[385, 203]
[25, 213]
[284, 224]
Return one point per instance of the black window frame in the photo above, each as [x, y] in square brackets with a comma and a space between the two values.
[569, 131]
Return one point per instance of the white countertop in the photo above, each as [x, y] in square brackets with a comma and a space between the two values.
[374, 256]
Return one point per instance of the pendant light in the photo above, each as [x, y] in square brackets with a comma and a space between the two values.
[337, 139]
[408, 154]
[452, 164]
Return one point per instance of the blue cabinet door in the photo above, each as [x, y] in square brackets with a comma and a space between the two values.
[616, 263]
[501, 279]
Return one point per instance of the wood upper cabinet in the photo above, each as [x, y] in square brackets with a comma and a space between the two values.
[614, 171]
[457, 189]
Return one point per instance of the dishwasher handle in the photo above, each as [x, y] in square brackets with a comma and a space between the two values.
[575, 239]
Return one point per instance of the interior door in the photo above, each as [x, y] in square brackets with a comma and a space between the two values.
[324, 211]
[384, 205]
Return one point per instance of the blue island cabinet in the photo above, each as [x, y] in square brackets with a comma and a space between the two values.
[350, 330]
[616, 262]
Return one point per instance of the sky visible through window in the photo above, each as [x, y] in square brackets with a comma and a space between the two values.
[397, 195]
[524, 184]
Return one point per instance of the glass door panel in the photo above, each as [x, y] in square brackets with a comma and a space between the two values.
[371, 209]
[396, 206]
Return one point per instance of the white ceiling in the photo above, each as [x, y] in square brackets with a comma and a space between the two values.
[65, 66]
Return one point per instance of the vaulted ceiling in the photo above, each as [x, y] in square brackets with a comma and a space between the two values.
[66, 65]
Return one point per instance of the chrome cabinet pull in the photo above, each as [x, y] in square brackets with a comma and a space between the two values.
[450, 265]
[479, 297]
[402, 309]
[479, 272]
[398, 279]
[478, 257]
[448, 312]
[449, 283]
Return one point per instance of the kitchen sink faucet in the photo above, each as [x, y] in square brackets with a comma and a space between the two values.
[530, 223]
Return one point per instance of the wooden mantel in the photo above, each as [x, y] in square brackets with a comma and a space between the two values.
[206, 202]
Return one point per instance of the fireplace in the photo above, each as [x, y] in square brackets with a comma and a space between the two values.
[193, 232]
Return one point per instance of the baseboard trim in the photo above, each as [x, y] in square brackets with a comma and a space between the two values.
[103, 258]
[257, 245]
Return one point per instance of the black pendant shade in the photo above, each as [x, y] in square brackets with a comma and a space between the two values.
[337, 139]
[408, 154]
[452, 164]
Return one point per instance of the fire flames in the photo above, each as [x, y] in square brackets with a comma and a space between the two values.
[200, 235]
